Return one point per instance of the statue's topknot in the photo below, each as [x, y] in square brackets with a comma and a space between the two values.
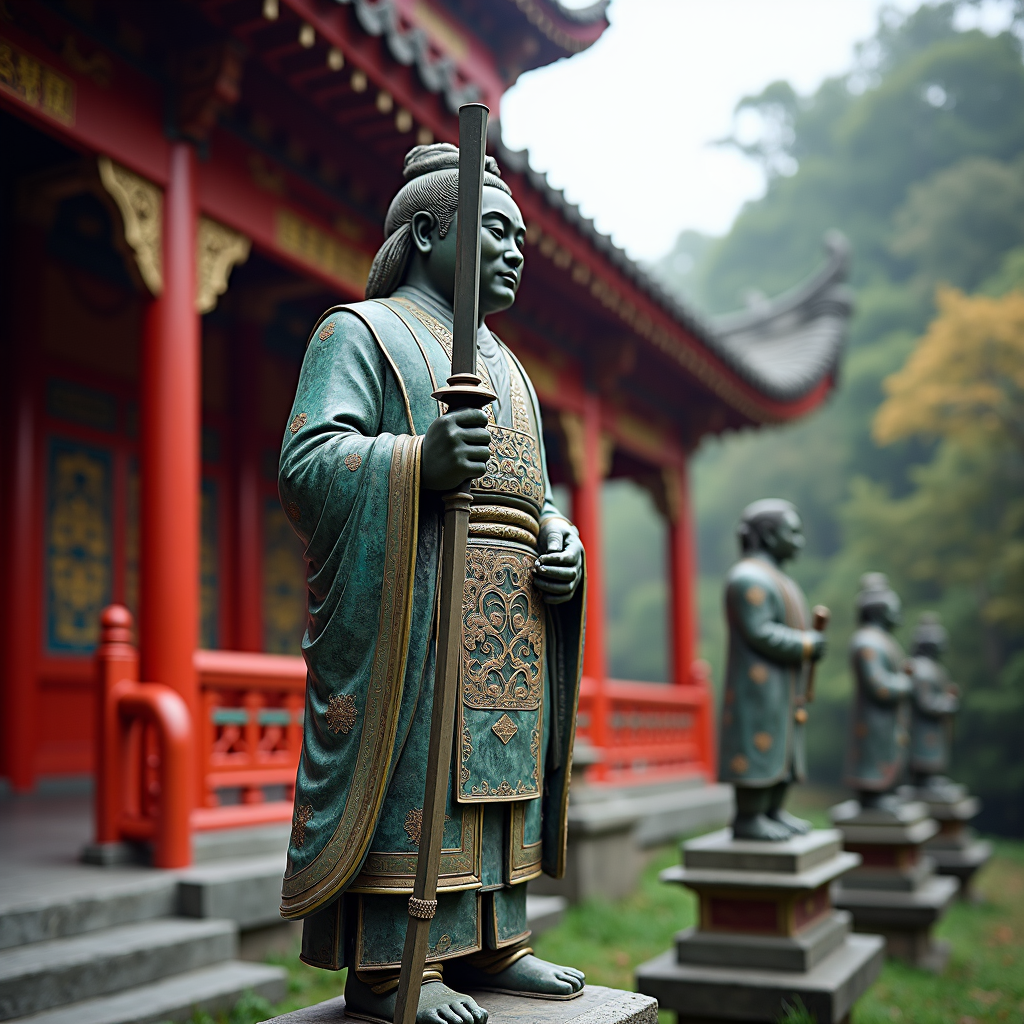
[439, 156]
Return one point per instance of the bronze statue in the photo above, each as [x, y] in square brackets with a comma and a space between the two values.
[363, 464]
[771, 647]
[934, 702]
[877, 750]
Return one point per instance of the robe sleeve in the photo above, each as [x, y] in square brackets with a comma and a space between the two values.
[350, 485]
[759, 621]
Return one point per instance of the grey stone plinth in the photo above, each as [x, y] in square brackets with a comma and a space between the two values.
[800, 952]
[962, 862]
[907, 879]
[850, 812]
[718, 850]
[804, 862]
[957, 810]
[904, 918]
[700, 993]
[596, 1005]
[609, 829]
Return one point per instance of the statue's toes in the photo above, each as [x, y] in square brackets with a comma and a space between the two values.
[574, 981]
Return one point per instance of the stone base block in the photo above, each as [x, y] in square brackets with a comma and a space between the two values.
[801, 952]
[596, 1005]
[962, 863]
[904, 918]
[610, 829]
[700, 994]
[898, 879]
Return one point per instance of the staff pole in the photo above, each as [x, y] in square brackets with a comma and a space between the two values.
[464, 390]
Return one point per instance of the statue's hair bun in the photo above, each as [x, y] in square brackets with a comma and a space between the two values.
[439, 156]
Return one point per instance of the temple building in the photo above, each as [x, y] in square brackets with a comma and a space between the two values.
[185, 186]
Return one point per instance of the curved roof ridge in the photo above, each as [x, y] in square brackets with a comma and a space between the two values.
[784, 348]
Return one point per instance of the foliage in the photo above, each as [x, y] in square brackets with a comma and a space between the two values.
[917, 155]
[965, 380]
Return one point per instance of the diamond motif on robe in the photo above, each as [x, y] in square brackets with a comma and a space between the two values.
[299, 822]
[504, 728]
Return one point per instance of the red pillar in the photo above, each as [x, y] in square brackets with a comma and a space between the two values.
[686, 669]
[682, 579]
[248, 504]
[170, 425]
[20, 491]
[586, 505]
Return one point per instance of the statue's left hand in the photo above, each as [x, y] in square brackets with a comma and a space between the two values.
[559, 567]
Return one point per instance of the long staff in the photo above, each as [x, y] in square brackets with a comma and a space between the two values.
[819, 621]
[463, 391]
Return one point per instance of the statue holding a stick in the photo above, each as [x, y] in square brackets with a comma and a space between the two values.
[445, 617]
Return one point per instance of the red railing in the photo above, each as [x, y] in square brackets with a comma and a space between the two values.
[145, 752]
[250, 737]
[653, 731]
[161, 777]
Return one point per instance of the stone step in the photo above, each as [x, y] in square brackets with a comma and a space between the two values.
[61, 971]
[38, 913]
[212, 989]
[544, 912]
[231, 843]
[248, 891]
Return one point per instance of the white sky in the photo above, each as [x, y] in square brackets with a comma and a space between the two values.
[625, 126]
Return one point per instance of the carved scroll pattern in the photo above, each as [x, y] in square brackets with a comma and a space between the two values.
[141, 204]
[503, 632]
[218, 250]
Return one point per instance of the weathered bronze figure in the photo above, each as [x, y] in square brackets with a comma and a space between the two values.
[877, 750]
[771, 644]
[935, 700]
[363, 463]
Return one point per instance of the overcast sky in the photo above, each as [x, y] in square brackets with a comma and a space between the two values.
[625, 126]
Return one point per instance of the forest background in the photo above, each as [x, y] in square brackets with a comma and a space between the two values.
[915, 467]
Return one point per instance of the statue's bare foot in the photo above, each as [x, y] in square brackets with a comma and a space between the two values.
[438, 1004]
[528, 976]
[761, 827]
[798, 826]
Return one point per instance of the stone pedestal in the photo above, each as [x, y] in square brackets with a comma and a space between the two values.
[596, 1005]
[895, 891]
[956, 849]
[767, 934]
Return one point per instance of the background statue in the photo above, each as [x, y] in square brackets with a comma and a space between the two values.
[934, 702]
[770, 644]
[877, 750]
[363, 464]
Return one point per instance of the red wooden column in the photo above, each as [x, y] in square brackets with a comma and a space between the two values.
[170, 425]
[586, 505]
[686, 669]
[20, 636]
[248, 498]
[682, 579]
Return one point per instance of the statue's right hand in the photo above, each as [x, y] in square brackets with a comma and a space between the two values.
[819, 645]
[456, 447]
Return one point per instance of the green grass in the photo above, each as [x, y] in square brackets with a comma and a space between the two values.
[983, 983]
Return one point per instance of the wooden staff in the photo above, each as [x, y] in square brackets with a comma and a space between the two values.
[819, 621]
[463, 391]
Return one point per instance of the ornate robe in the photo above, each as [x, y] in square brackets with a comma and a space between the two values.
[878, 738]
[763, 714]
[933, 705]
[350, 482]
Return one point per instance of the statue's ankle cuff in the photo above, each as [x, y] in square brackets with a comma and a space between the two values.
[380, 983]
[496, 961]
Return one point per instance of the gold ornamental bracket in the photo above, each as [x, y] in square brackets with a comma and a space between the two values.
[219, 249]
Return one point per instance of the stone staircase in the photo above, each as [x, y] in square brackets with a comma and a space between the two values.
[123, 956]
[133, 945]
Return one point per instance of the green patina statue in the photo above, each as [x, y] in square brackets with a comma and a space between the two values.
[364, 461]
[934, 701]
[771, 647]
[878, 740]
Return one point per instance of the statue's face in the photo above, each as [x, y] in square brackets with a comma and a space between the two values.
[893, 611]
[502, 241]
[786, 540]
